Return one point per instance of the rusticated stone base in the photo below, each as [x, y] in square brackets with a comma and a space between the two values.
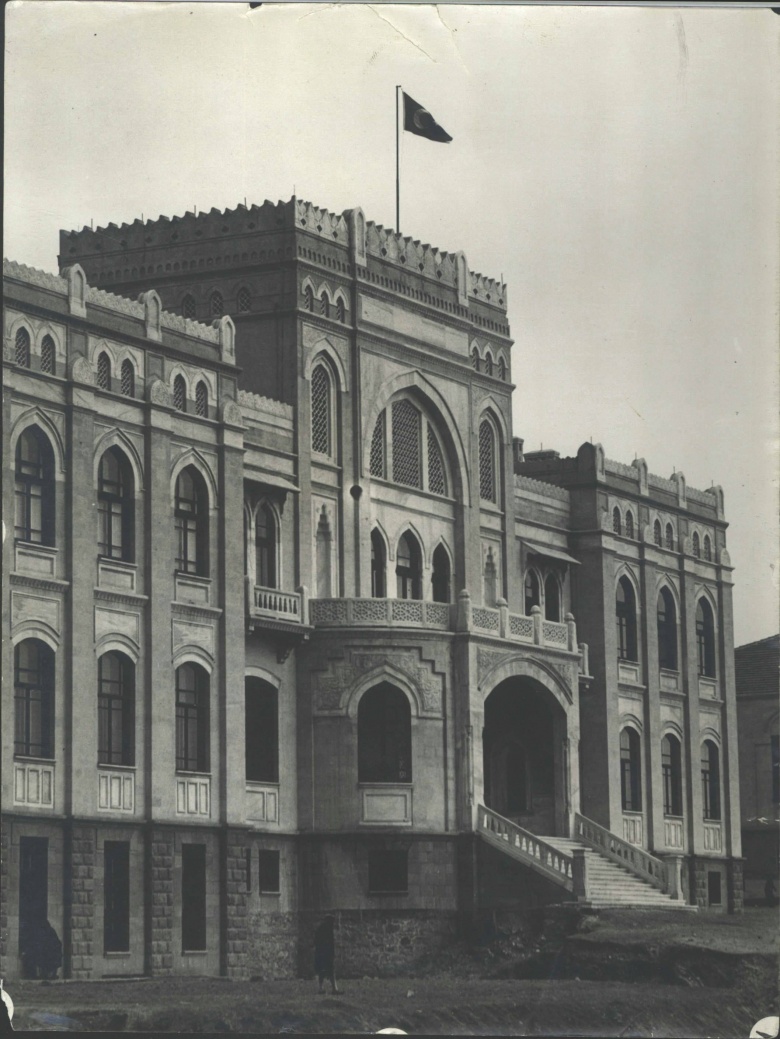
[161, 956]
[82, 901]
[236, 908]
[272, 945]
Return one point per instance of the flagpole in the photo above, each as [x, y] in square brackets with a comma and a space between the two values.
[397, 166]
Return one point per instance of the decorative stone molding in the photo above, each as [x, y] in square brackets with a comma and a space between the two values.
[192, 633]
[678, 479]
[357, 236]
[641, 466]
[37, 608]
[116, 622]
[76, 281]
[81, 371]
[462, 278]
[231, 413]
[226, 331]
[334, 688]
[158, 393]
[247, 399]
[152, 314]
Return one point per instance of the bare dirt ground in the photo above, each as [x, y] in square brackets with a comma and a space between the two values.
[622, 974]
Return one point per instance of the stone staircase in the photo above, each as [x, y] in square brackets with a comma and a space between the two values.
[597, 867]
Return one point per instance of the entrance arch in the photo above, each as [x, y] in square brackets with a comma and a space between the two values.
[525, 767]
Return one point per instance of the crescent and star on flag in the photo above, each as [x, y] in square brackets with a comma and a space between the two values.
[417, 120]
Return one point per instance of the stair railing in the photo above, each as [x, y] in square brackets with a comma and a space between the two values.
[534, 851]
[640, 862]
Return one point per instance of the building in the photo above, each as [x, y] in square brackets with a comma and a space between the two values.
[298, 626]
[757, 673]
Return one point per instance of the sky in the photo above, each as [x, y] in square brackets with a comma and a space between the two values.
[617, 166]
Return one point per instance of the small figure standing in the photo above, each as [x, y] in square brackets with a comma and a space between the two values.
[325, 953]
[770, 892]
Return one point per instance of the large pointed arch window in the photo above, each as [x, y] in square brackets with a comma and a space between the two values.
[116, 710]
[488, 457]
[705, 638]
[34, 488]
[192, 718]
[630, 770]
[441, 578]
[625, 615]
[671, 774]
[321, 410]
[408, 567]
[265, 547]
[667, 631]
[191, 513]
[116, 506]
[33, 699]
[384, 736]
[378, 566]
[406, 448]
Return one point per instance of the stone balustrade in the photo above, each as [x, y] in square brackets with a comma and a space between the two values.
[530, 849]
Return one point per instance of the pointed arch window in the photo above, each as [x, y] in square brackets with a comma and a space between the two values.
[710, 780]
[308, 298]
[188, 306]
[33, 699]
[407, 454]
[441, 578]
[630, 770]
[488, 483]
[116, 506]
[437, 475]
[103, 371]
[475, 359]
[671, 775]
[216, 304]
[667, 631]
[707, 550]
[532, 595]
[47, 355]
[669, 536]
[552, 598]
[410, 449]
[127, 379]
[378, 566]
[696, 544]
[657, 533]
[705, 638]
[502, 369]
[244, 300]
[321, 410]
[22, 348]
[34, 488]
[324, 305]
[192, 718]
[384, 736]
[488, 363]
[201, 400]
[630, 524]
[408, 567]
[116, 710]
[340, 310]
[625, 613]
[377, 465]
[191, 514]
[261, 731]
[265, 547]
[617, 522]
[179, 393]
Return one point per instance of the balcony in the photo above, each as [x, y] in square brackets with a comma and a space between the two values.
[34, 784]
[274, 610]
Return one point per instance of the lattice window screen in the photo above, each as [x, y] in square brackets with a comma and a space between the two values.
[502, 369]
[378, 447]
[188, 307]
[217, 304]
[487, 462]
[437, 479]
[244, 300]
[23, 348]
[103, 372]
[320, 411]
[201, 400]
[179, 393]
[47, 355]
[128, 379]
[406, 444]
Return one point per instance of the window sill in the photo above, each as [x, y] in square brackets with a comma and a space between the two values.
[388, 894]
[194, 952]
[269, 894]
[116, 954]
[116, 768]
[34, 759]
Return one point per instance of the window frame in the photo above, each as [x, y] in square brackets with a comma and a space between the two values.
[195, 759]
[706, 654]
[191, 525]
[671, 776]
[261, 731]
[384, 736]
[22, 347]
[630, 769]
[31, 487]
[666, 623]
[327, 407]
[488, 462]
[627, 622]
[116, 508]
[710, 780]
[116, 697]
[34, 696]
[409, 577]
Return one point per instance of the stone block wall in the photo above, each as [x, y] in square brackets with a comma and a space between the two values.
[82, 900]
[161, 958]
[272, 945]
[700, 868]
[5, 856]
[236, 905]
[736, 885]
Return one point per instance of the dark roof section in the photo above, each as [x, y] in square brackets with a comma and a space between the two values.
[757, 667]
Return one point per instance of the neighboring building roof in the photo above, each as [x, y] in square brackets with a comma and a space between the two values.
[757, 667]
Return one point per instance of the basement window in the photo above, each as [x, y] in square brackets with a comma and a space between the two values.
[714, 894]
[268, 872]
[388, 872]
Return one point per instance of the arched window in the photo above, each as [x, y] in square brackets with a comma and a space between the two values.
[22, 347]
[671, 773]
[710, 780]
[201, 400]
[127, 379]
[116, 506]
[502, 369]
[34, 488]
[321, 410]
[617, 523]
[192, 718]
[407, 453]
[705, 638]
[490, 580]
[488, 363]
[629, 524]
[669, 536]
[437, 476]
[378, 566]
[33, 699]
[384, 736]
[630, 770]
[179, 393]
[667, 631]
[696, 544]
[552, 598]
[475, 359]
[440, 579]
[532, 594]
[103, 371]
[324, 305]
[340, 311]
[377, 466]
[216, 304]
[625, 612]
[261, 721]
[188, 307]
[116, 710]
[47, 355]
[657, 534]
[308, 298]
[488, 484]
[408, 567]
[243, 300]
[324, 556]
[191, 513]
[265, 547]
[707, 548]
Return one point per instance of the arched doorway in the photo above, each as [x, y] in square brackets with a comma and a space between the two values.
[523, 756]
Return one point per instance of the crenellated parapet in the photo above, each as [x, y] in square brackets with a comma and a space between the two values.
[332, 227]
[265, 405]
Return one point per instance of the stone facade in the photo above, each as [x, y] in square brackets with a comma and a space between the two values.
[326, 616]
